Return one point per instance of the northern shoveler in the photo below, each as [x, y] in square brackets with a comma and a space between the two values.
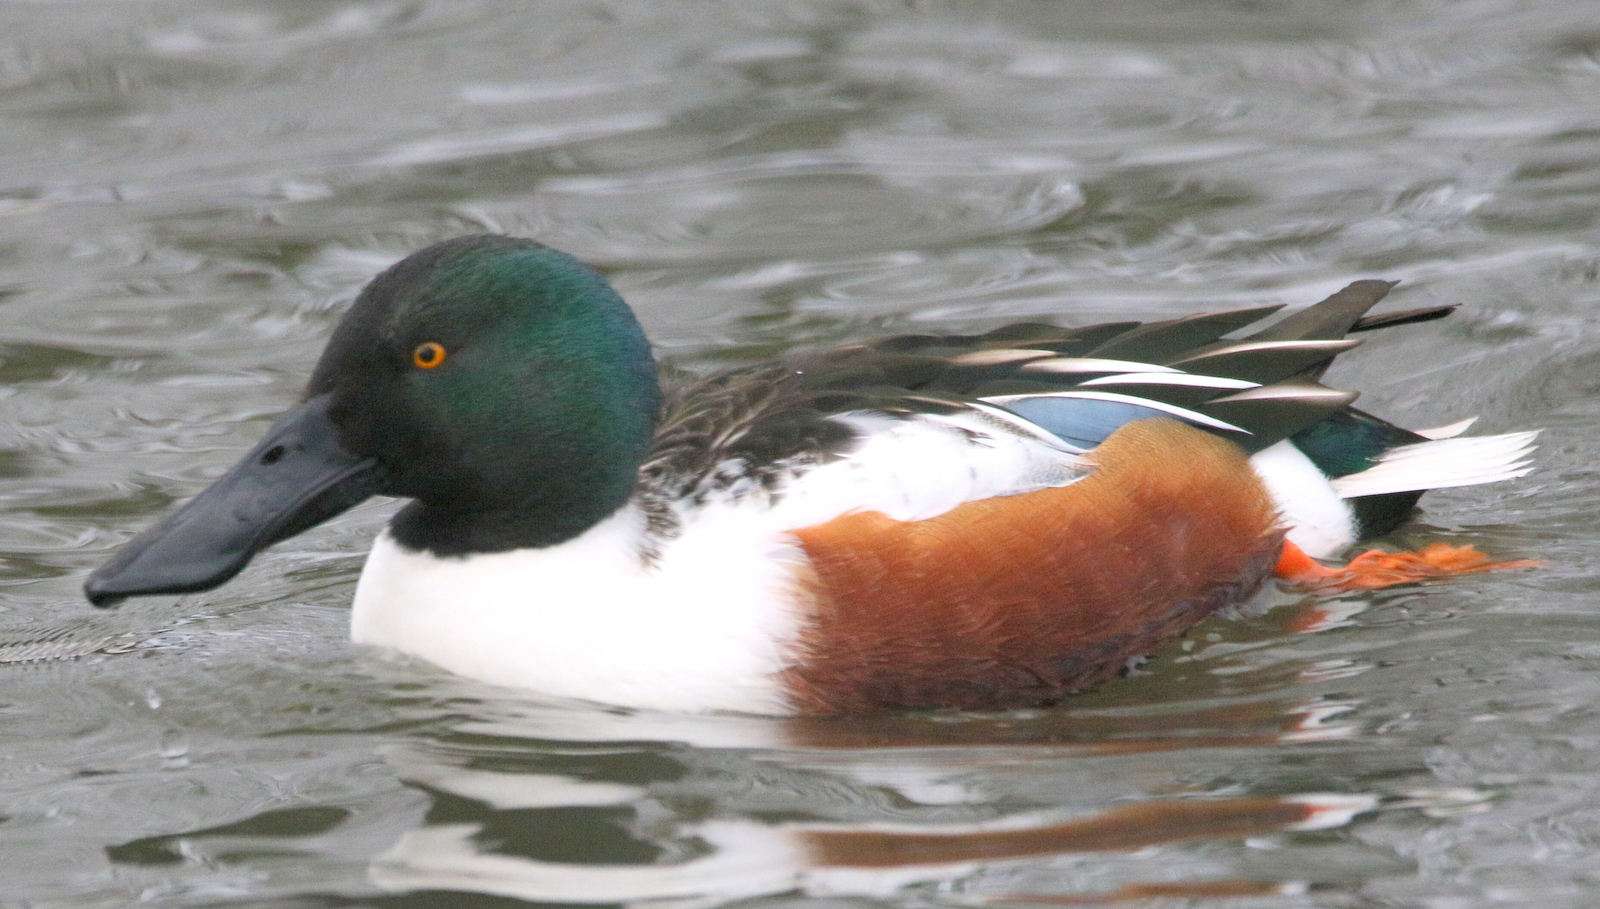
[971, 521]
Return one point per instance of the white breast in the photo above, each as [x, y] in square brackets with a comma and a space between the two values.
[705, 628]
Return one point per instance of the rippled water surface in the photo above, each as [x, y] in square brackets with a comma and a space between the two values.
[190, 193]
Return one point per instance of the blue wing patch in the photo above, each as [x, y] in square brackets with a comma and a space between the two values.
[1085, 419]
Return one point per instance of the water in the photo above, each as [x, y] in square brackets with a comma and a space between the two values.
[191, 192]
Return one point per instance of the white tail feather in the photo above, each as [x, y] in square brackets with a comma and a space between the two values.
[1447, 431]
[1443, 462]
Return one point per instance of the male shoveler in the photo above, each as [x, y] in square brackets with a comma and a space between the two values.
[981, 521]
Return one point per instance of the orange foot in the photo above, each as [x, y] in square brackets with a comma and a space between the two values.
[1375, 568]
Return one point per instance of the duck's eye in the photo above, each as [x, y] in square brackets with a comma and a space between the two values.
[428, 355]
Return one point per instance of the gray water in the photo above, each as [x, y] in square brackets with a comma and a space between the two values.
[191, 192]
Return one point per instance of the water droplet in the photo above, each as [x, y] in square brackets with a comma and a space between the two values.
[174, 749]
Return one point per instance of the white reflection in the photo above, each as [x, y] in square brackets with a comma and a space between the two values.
[748, 861]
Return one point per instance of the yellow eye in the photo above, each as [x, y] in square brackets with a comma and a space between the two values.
[428, 355]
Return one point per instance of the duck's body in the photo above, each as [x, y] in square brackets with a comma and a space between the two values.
[978, 521]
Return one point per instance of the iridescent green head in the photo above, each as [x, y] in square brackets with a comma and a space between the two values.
[502, 384]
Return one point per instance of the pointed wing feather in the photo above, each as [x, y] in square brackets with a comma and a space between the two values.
[1079, 383]
[1330, 319]
[1160, 341]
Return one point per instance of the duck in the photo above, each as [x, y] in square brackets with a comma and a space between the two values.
[968, 522]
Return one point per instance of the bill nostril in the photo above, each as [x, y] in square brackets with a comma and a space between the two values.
[272, 455]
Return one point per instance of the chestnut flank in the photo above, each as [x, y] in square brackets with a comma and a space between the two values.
[1020, 600]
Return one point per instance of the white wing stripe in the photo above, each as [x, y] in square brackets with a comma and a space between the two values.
[1090, 364]
[1170, 378]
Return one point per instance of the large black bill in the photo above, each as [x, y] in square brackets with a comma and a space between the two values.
[298, 477]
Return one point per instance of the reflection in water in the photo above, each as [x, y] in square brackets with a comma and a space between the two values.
[174, 848]
[745, 858]
[503, 824]
[749, 860]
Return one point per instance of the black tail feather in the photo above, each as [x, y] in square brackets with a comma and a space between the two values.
[1403, 317]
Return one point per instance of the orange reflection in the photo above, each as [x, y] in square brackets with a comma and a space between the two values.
[1121, 829]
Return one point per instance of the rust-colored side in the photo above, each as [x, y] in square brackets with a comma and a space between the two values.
[1018, 601]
